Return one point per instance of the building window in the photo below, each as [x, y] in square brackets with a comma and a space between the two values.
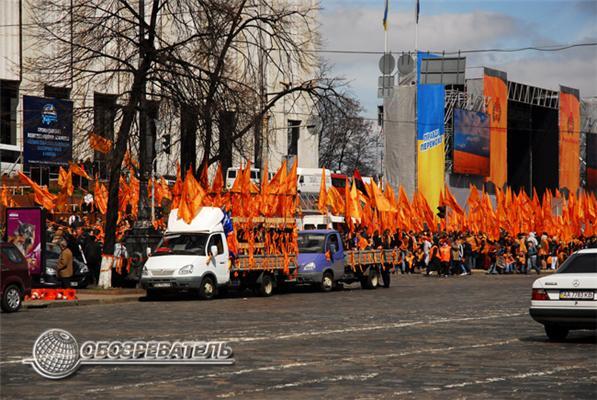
[294, 130]
[56, 92]
[9, 99]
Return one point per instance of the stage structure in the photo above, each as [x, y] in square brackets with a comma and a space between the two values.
[495, 133]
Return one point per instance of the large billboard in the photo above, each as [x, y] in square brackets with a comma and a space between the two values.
[569, 139]
[25, 228]
[47, 131]
[495, 90]
[430, 142]
[471, 142]
[592, 161]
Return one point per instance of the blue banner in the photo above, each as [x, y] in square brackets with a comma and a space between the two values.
[430, 142]
[47, 131]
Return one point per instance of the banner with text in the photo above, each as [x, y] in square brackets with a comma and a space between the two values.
[430, 142]
[47, 131]
[569, 138]
[495, 91]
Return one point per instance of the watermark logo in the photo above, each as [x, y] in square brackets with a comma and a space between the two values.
[56, 353]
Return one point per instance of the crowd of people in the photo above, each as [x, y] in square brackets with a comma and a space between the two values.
[459, 253]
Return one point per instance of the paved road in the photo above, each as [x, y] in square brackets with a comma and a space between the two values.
[462, 337]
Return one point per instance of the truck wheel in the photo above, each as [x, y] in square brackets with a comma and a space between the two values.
[207, 290]
[266, 287]
[12, 299]
[385, 275]
[327, 282]
[556, 333]
[371, 280]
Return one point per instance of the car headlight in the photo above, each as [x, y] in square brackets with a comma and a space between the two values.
[144, 271]
[309, 266]
[84, 269]
[187, 269]
[50, 271]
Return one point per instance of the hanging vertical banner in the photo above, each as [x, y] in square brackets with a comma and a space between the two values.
[471, 142]
[495, 91]
[592, 161]
[569, 138]
[430, 142]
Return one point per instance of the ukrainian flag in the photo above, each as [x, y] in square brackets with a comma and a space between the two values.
[385, 17]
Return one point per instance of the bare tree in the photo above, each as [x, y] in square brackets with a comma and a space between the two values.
[347, 140]
[202, 55]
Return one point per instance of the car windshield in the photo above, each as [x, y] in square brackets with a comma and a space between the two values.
[186, 243]
[579, 264]
[311, 242]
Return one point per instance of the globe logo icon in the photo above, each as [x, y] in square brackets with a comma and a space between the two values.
[55, 354]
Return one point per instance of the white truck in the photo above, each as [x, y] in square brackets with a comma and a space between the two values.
[194, 257]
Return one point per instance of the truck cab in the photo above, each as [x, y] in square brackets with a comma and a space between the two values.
[321, 258]
[190, 257]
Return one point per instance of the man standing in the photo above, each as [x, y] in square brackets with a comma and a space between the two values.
[65, 263]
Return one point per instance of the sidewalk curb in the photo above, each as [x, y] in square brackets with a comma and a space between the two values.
[80, 302]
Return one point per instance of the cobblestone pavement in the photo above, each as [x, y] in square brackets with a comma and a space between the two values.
[460, 337]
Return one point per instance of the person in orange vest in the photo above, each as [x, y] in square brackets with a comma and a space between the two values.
[445, 252]
[434, 259]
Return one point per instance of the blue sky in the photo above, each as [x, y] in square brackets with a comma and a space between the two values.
[457, 24]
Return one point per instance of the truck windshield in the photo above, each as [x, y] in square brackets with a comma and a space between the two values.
[184, 243]
[311, 242]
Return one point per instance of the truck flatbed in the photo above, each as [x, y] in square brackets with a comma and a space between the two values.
[263, 262]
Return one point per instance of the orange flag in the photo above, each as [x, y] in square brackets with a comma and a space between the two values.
[217, 185]
[335, 201]
[99, 143]
[381, 202]
[5, 197]
[41, 195]
[78, 170]
[177, 189]
[100, 196]
[165, 189]
[323, 197]
[451, 201]
[134, 193]
[203, 177]
[65, 181]
[191, 198]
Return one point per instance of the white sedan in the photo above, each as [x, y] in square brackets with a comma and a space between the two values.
[567, 299]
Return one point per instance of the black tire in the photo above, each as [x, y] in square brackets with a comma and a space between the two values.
[208, 288]
[556, 333]
[152, 294]
[386, 276]
[12, 299]
[371, 281]
[266, 287]
[327, 282]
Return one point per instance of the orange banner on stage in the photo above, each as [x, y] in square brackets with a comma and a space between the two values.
[569, 138]
[495, 90]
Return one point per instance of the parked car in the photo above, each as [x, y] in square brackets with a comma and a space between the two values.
[15, 280]
[49, 278]
[567, 299]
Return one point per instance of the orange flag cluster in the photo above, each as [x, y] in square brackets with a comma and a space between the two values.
[514, 213]
[275, 198]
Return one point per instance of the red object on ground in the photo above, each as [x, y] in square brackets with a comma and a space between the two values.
[52, 294]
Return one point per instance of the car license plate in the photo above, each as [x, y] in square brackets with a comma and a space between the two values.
[576, 295]
[162, 284]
